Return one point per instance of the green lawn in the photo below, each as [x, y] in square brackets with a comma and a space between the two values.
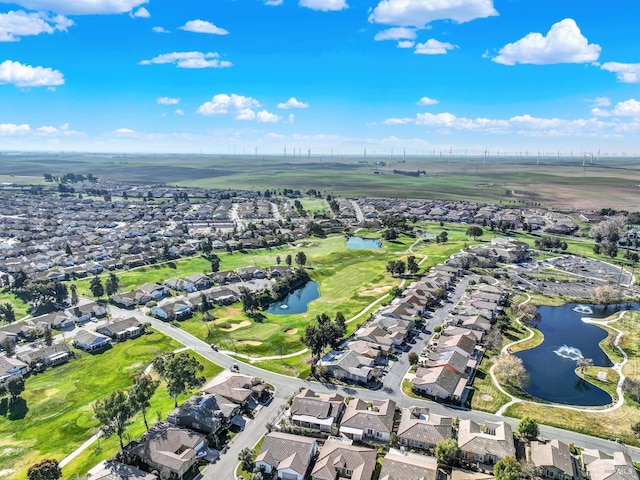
[56, 416]
[486, 396]
[19, 306]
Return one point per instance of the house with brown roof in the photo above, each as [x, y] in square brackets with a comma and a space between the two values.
[167, 447]
[374, 351]
[439, 382]
[316, 411]
[464, 343]
[237, 388]
[554, 458]
[374, 420]
[205, 414]
[486, 443]
[114, 470]
[287, 455]
[421, 429]
[401, 465]
[338, 458]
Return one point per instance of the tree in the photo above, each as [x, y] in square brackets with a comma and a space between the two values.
[507, 468]
[15, 386]
[412, 265]
[301, 259]
[278, 260]
[390, 234]
[19, 279]
[180, 371]
[140, 395]
[582, 363]
[47, 469]
[7, 311]
[447, 451]
[60, 292]
[475, 232]
[443, 237]
[114, 414]
[340, 325]
[215, 263]
[74, 294]
[635, 428]
[530, 471]
[605, 295]
[48, 336]
[96, 287]
[112, 284]
[413, 358]
[247, 458]
[528, 428]
[509, 369]
[287, 260]
[8, 346]
[249, 301]
[312, 338]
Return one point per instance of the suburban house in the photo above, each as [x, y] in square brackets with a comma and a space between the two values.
[199, 281]
[155, 291]
[180, 285]
[464, 344]
[167, 447]
[452, 360]
[90, 341]
[319, 412]
[400, 465]
[204, 413]
[172, 310]
[485, 443]
[12, 367]
[121, 329]
[420, 429]
[370, 350]
[249, 273]
[439, 382]
[373, 420]
[376, 334]
[338, 458]
[601, 466]
[114, 470]
[84, 313]
[288, 455]
[237, 388]
[554, 458]
[53, 321]
[56, 354]
[348, 365]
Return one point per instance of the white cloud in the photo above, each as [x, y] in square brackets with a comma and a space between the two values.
[27, 76]
[223, 103]
[598, 112]
[168, 101]
[124, 132]
[160, 30]
[324, 5]
[245, 114]
[625, 72]
[190, 60]
[82, 7]
[11, 129]
[62, 131]
[564, 43]
[628, 108]
[406, 44]
[398, 121]
[419, 13]
[16, 24]
[180, 112]
[396, 33]
[273, 3]
[424, 101]
[293, 103]
[141, 13]
[433, 47]
[291, 118]
[202, 26]
[601, 102]
[266, 117]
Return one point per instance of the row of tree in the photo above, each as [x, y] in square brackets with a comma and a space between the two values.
[397, 268]
[324, 333]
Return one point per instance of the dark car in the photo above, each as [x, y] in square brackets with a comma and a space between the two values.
[215, 349]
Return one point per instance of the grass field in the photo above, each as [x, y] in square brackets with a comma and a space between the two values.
[55, 416]
[562, 183]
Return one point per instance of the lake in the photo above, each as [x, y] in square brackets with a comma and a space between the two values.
[359, 243]
[297, 301]
[567, 338]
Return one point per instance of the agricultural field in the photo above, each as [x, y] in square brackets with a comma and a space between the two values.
[548, 182]
[55, 416]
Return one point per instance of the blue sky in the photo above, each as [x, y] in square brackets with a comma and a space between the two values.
[219, 76]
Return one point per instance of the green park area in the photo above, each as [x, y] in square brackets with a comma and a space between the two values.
[54, 415]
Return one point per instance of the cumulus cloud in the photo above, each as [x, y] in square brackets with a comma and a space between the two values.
[223, 103]
[12, 129]
[82, 7]
[190, 60]
[324, 5]
[433, 47]
[406, 44]
[168, 101]
[202, 26]
[27, 76]
[627, 108]
[160, 30]
[601, 102]
[293, 103]
[419, 13]
[564, 43]
[396, 33]
[424, 101]
[61, 131]
[141, 13]
[16, 24]
[625, 72]
[264, 116]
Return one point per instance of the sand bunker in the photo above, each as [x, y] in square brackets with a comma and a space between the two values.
[291, 331]
[236, 326]
[375, 291]
[251, 343]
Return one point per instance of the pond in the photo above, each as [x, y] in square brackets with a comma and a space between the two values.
[567, 338]
[359, 243]
[297, 301]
